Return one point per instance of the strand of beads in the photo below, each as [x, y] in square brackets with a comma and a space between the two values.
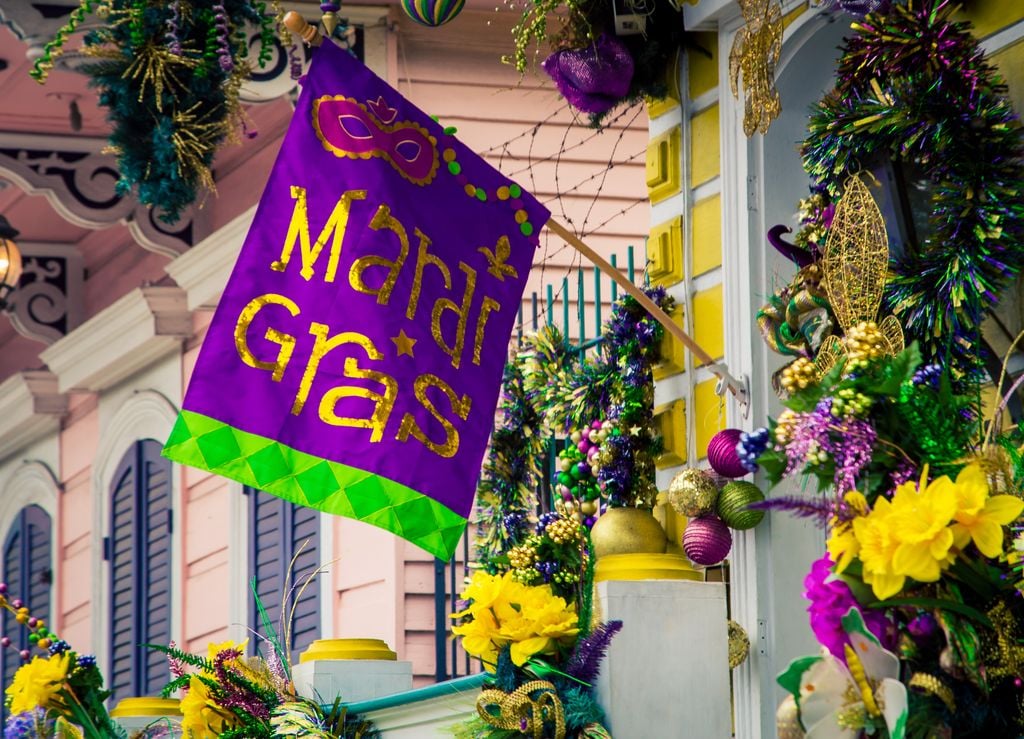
[39, 635]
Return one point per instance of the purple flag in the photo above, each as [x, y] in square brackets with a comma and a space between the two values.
[354, 361]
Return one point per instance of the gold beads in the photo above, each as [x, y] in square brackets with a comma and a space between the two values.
[865, 343]
[798, 375]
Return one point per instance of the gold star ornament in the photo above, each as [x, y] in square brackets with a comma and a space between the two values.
[403, 344]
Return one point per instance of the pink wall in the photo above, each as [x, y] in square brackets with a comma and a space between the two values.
[205, 517]
[78, 441]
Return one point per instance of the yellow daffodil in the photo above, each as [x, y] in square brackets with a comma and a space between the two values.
[877, 548]
[979, 517]
[920, 520]
[502, 612]
[843, 546]
[36, 684]
[202, 717]
[215, 648]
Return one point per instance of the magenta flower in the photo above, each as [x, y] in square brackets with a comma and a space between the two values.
[831, 599]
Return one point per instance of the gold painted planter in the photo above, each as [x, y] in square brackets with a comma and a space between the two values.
[627, 531]
[348, 649]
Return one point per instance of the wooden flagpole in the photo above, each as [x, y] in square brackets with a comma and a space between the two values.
[312, 36]
[734, 386]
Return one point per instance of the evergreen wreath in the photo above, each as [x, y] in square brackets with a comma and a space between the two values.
[914, 86]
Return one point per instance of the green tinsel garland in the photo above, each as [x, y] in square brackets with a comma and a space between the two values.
[914, 86]
[511, 473]
[169, 74]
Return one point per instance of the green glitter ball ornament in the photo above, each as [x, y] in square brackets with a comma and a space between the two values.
[733, 501]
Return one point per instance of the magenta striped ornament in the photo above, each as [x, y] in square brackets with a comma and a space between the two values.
[722, 454]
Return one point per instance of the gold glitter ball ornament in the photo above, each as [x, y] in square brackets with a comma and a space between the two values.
[787, 720]
[739, 645]
[692, 493]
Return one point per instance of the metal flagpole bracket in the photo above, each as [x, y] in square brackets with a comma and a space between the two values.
[740, 388]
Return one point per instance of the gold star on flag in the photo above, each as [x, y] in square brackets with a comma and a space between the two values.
[403, 343]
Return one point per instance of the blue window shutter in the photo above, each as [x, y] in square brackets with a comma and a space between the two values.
[304, 525]
[27, 571]
[123, 636]
[156, 580]
[277, 530]
[140, 571]
[13, 576]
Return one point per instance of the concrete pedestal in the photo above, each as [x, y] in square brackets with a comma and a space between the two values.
[352, 669]
[667, 671]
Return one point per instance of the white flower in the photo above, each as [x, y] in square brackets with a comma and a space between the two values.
[838, 701]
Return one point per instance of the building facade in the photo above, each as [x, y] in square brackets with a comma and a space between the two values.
[115, 544]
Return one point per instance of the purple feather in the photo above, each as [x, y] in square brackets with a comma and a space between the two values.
[585, 663]
[801, 257]
[821, 509]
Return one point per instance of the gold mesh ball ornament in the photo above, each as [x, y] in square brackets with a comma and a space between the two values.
[739, 645]
[692, 493]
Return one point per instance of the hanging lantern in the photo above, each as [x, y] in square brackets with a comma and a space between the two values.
[10, 262]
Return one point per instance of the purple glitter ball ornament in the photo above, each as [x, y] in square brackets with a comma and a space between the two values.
[595, 78]
[707, 540]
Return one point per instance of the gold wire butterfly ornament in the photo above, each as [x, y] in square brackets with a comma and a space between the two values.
[855, 265]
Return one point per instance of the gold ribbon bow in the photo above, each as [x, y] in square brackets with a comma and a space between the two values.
[527, 709]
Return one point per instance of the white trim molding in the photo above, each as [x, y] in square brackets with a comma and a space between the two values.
[238, 563]
[31, 407]
[146, 414]
[138, 329]
[204, 269]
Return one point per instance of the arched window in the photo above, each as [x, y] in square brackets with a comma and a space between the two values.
[277, 531]
[138, 550]
[28, 574]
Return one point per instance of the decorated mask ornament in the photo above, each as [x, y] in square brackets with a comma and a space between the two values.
[595, 78]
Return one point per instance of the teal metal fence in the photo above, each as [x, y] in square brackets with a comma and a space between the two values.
[580, 322]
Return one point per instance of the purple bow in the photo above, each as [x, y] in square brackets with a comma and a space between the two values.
[595, 78]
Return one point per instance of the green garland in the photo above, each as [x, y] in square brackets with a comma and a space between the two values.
[169, 74]
[506, 495]
[914, 86]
